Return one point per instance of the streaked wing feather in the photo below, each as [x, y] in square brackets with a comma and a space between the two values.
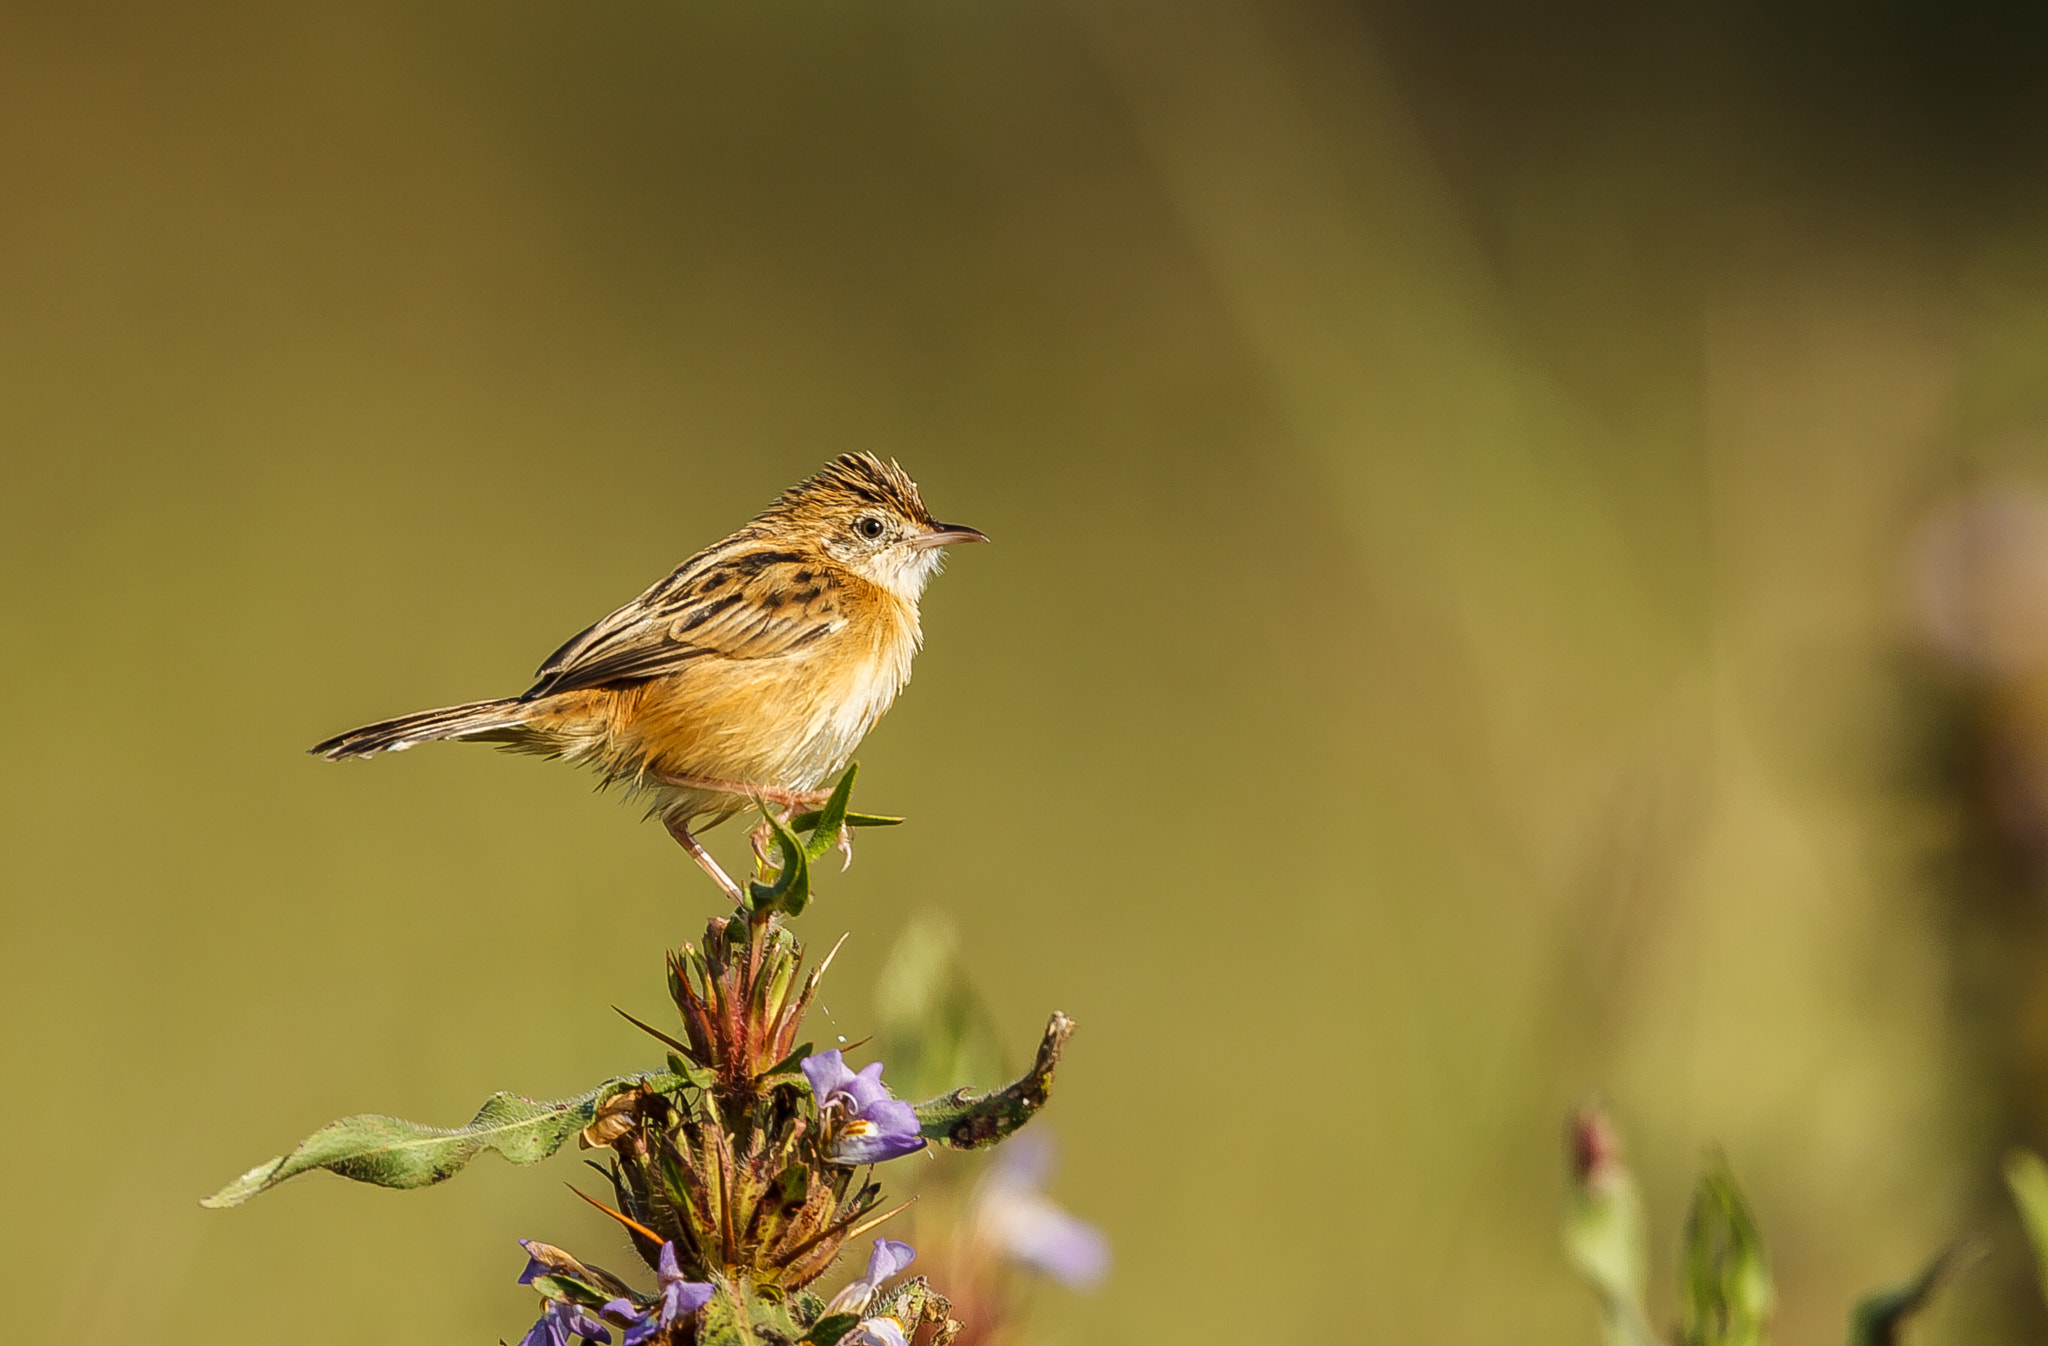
[631, 615]
[754, 603]
[582, 640]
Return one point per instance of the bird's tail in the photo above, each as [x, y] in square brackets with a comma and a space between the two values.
[490, 721]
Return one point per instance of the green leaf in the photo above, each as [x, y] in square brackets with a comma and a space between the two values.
[791, 1064]
[1725, 1287]
[831, 1328]
[567, 1288]
[723, 1319]
[390, 1152]
[1606, 1237]
[738, 1315]
[789, 1070]
[966, 1120]
[2027, 1176]
[791, 891]
[825, 831]
[1880, 1319]
[689, 1072]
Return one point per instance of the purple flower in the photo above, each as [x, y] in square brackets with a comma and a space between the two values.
[875, 1332]
[677, 1298]
[888, 1258]
[562, 1320]
[874, 1126]
[1012, 1213]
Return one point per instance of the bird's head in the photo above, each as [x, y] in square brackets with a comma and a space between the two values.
[866, 515]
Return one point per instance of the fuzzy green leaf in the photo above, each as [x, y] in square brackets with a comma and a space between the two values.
[738, 1315]
[831, 1329]
[689, 1072]
[390, 1152]
[1880, 1319]
[967, 1120]
[806, 1307]
[723, 1320]
[1725, 1287]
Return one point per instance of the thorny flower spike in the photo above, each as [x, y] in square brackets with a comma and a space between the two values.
[734, 1170]
[866, 1126]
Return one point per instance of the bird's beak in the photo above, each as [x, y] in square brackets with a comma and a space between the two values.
[946, 534]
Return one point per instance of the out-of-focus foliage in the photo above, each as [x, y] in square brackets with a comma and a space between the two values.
[929, 1018]
[1880, 1318]
[1605, 1234]
[2027, 1177]
[1725, 1292]
[1726, 1297]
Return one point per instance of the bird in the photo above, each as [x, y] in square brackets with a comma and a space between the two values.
[747, 676]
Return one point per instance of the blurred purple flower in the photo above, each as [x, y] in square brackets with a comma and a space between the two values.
[1012, 1213]
[561, 1321]
[888, 1258]
[875, 1332]
[676, 1299]
[876, 1126]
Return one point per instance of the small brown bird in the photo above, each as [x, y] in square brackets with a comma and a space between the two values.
[748, 675]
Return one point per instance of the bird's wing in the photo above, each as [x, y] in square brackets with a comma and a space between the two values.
[753, 603]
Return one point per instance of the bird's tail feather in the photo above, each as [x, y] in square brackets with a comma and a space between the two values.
[490, 721]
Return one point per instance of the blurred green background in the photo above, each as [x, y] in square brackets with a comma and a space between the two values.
[1449, 649]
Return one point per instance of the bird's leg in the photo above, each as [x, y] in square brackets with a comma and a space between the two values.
[789, 800]
[679, 828]
[760, 794]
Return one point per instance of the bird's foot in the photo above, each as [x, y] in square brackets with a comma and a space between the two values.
[762, 834]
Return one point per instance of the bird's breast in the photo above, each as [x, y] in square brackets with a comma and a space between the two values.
[790, 721]
[854, 691]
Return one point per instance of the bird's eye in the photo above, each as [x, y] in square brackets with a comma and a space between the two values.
[869, 527]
